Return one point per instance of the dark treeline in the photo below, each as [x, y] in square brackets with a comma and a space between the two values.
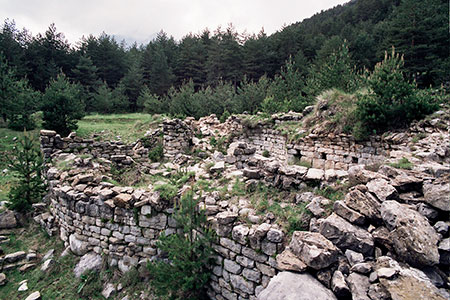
[224, 71]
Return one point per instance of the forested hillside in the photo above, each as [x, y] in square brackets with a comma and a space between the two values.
[224, 71]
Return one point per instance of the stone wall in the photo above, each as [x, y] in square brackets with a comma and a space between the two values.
[116, 151]
[329, 152]
[124, 223]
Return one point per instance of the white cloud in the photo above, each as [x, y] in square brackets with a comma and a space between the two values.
[139, 19]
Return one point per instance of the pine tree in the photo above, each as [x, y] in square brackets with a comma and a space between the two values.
[27, 165]
[133, 84]
[189, 254]
[62, 105]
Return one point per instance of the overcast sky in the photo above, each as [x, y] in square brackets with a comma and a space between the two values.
[140, 20]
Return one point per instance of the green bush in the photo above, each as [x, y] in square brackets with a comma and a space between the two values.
[392, 100]
[156, 153]
[27, 166]
[189, 255]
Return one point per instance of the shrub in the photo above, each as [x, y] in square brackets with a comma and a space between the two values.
[189, 254]
[27, 165]
[266, 153]
[156, 153]
[392, 100]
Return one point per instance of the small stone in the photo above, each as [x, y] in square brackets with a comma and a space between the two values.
[362, 268]
[2, 279]
[23, 286]
[34, 296]
[441, 227]
[108, 290]
[47, 265]
[48, 255]
[386, 272]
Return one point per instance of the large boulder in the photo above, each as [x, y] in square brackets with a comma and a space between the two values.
[89, 261]
[8, 220]
[313, 249]
[293, 286]
[408, 283]
[413, 238]
[346, 236]
[359, 200]
[438, 194]
[382, 189]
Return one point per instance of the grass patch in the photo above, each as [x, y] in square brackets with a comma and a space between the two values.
[129, 127]
[290, 216]
[403, 163]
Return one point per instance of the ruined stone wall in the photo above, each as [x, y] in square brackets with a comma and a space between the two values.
[124, 224]
[115, 151]
[177, 137]
[332, 152]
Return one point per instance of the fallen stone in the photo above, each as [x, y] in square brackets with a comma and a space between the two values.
[2, 279]
[26, 267]
[359, 286]
[47, 265]
[127, 263]
[346, 236]
[378, 292]
[108, 290]
[386, 272]
[14, 257]
[88, 262]
[48, 255]
[7, 220]
[341, 209]
[288, 261]
[314, 174]
[313, 249]
[218, 167]
[354, 257]
[252, 173]
[413, 238]
[78, 247]
[362, 268]
[288, 285]
[382, 189]
[339, 286]
[438, 194]
[363, 203]
[34, 296]
[441, 227]
[359, 175]
[23, 286]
